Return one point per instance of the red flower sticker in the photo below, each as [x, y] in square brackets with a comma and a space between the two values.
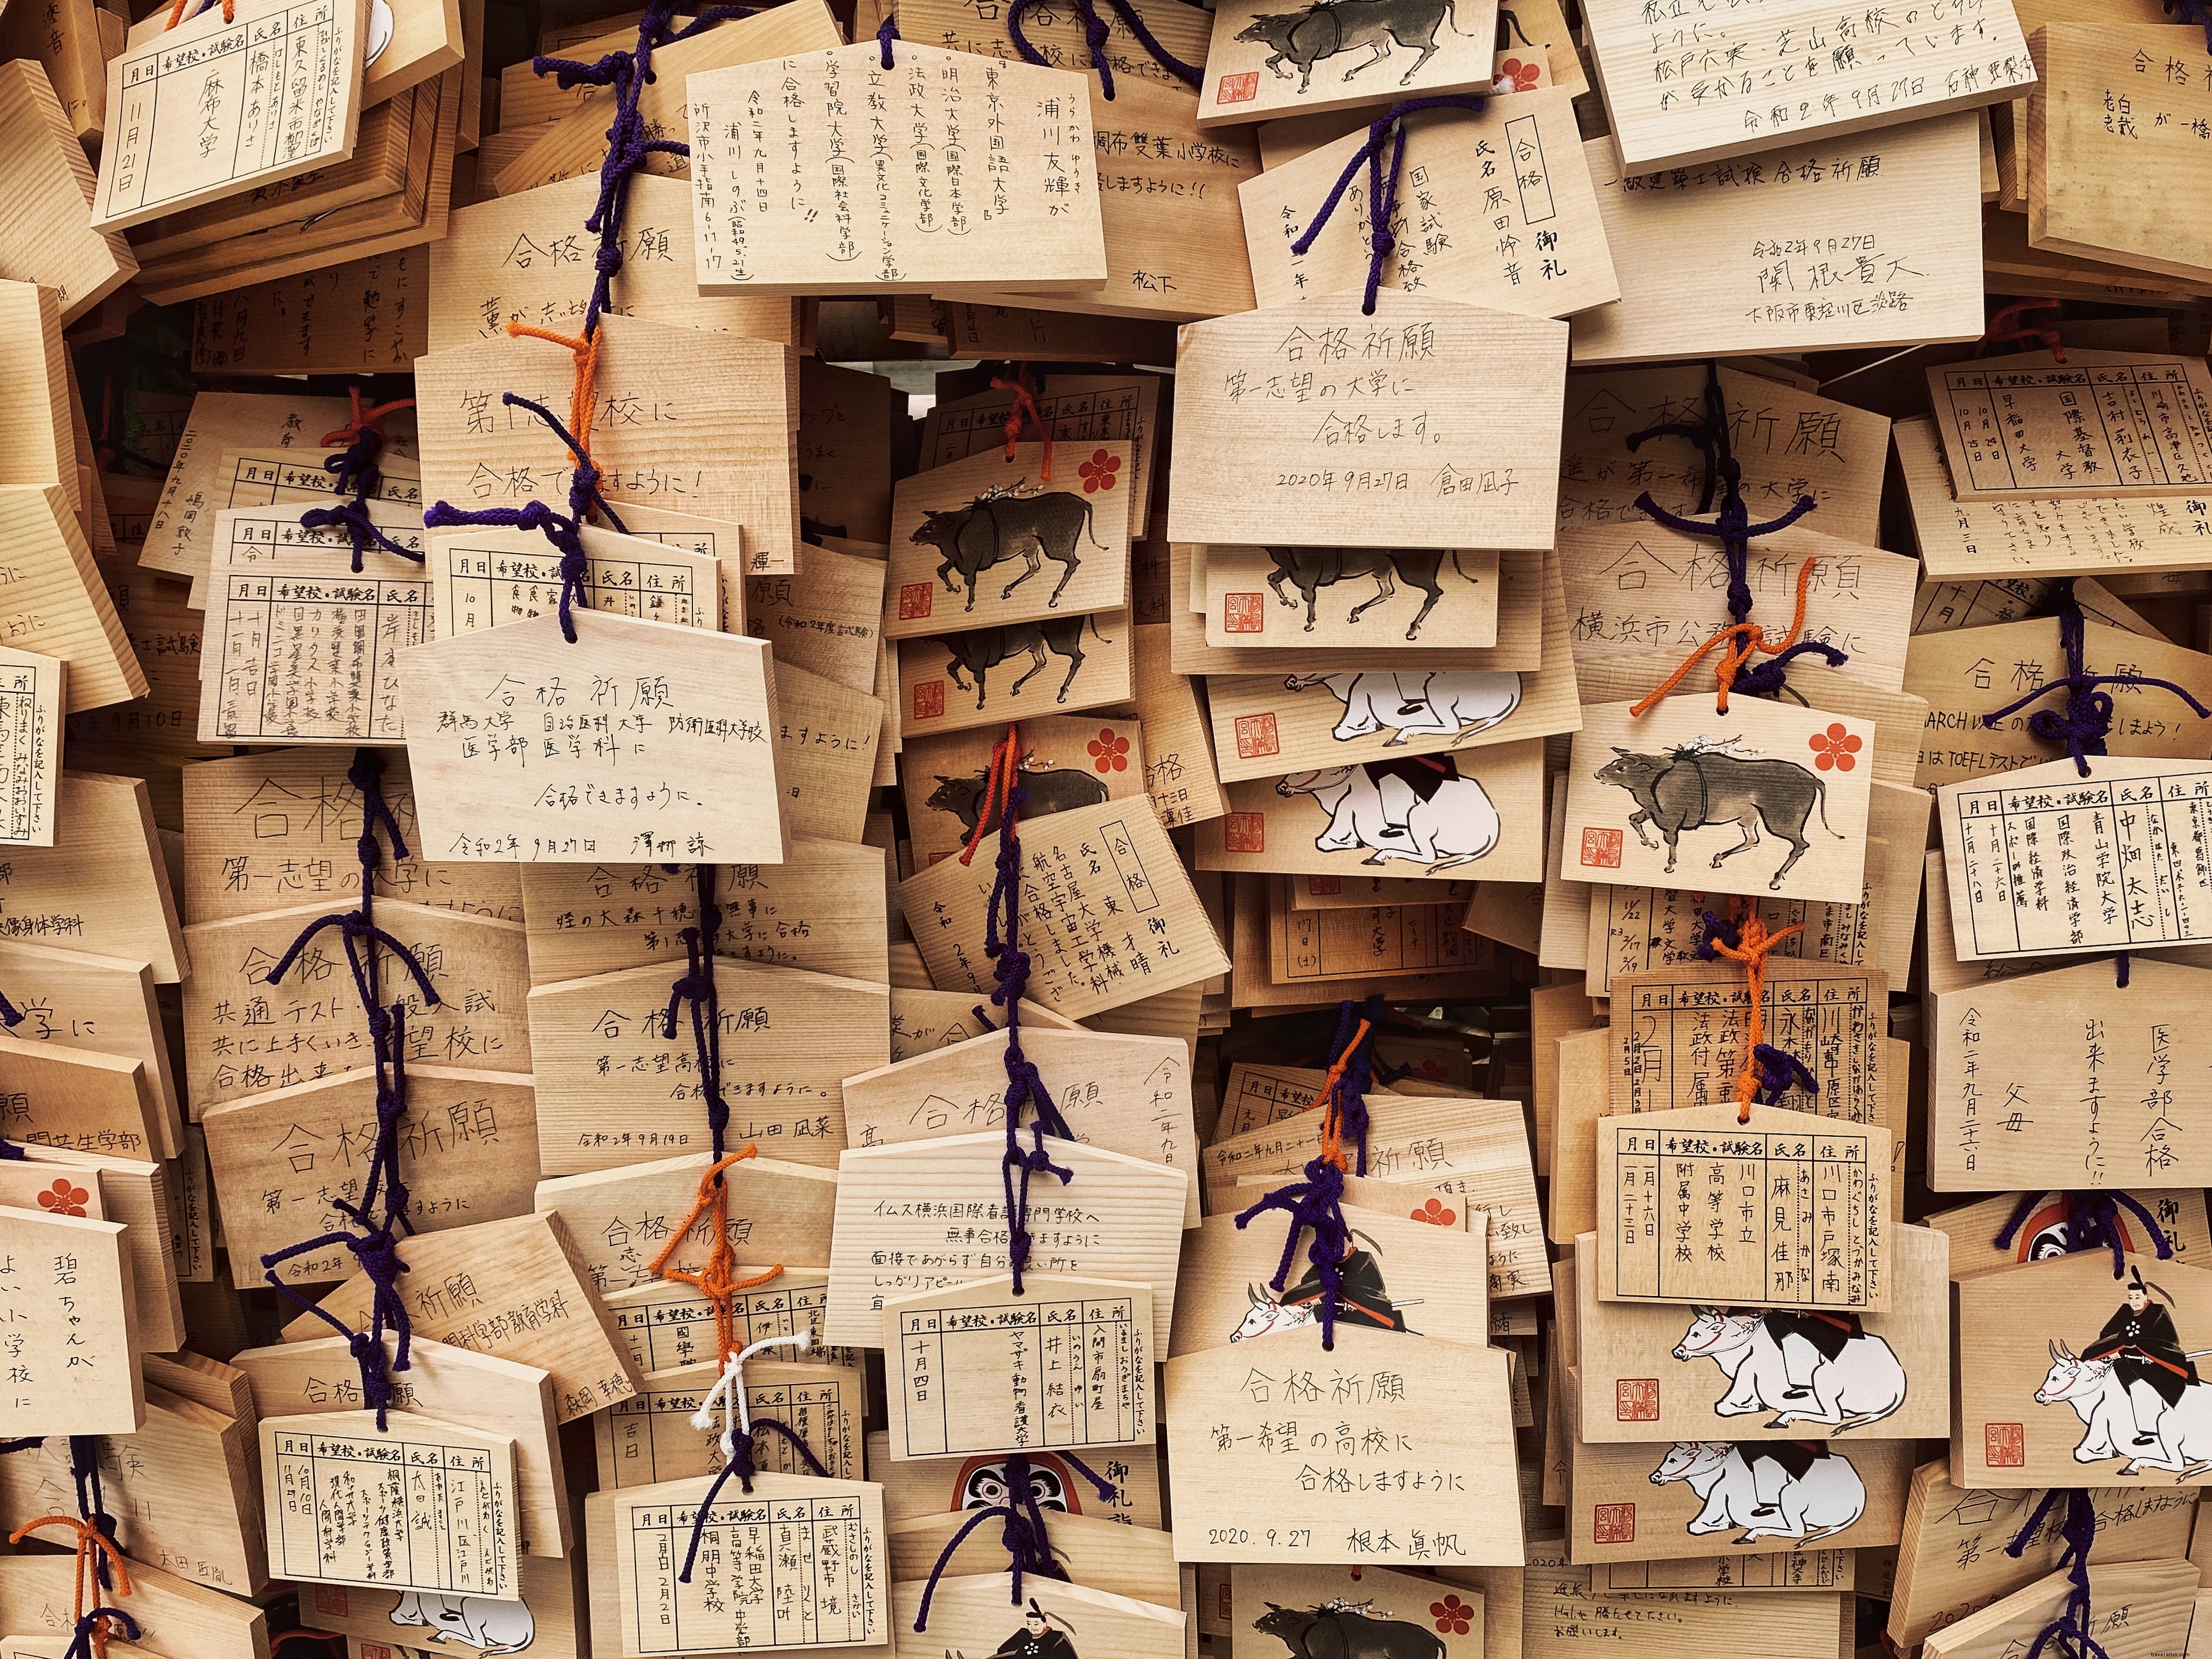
[1437, 1214]
[1432, 1070]
[1514, 76]
[1832, 748]
[1097, 473]
[1109, 751]
[62, 1199]
[1454, 1617]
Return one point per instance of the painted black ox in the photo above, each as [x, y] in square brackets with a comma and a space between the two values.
[1051, 789]
[1338, 1631]
[991, 529]
[1312, 569]
[980, 650]
[1690, 787]
[1319, 31]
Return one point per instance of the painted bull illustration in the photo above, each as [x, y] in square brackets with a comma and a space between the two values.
[1322, 30]
[488, 1626]
[981, 649]
[1455, 703]
[1050, 789]
[1339, 1630]
[1416, 807]
[1697, 785]
[991, 529]
[1312, 569]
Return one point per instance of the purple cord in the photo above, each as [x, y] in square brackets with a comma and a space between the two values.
[2191, 11]
[741, 1465]
[356, 472]
[1778, 1071]
[884, 36]
[1381, 195]
[2070, 1629]
[2091, 1222]
[695, 985]
[91, 1502]
[1028, 1548]
[80, 1645]
[1095, 33]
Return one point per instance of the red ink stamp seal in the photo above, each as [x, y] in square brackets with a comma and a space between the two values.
[2004, 1445]
[929, 701]
[1636, 1400]
[1238, 89]
[1244, 832]
[1324, 886]
[1601, 849]
[1244, 614]
[330, 1599]
[1255, 737]
[914, 600]
[1613, 1524]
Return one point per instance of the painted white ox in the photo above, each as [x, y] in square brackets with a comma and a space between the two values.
[1862, 1385]
[2108, 1416]
[1451, 702]
[474, 1621]
[1266, 1316]
[1456, 825]
[1826, 1499]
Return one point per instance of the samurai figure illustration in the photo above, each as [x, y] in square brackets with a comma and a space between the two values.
[2147, 1356]
[1038, 1637]
[1361, 1299]
[1808, 1341]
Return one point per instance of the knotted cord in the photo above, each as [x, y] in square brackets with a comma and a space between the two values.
[1389, 129]
[2069, 1631]
[1028, 1547]
[355, 473]
[88, 1632]
[1024, 407]
[2010, 327]
[1767, 1073]
[2093, 1222]
[713, 1280]
[1094, 34]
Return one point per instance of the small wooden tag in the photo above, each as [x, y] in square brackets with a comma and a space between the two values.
[1066, 1364]
[528, 747]
[482, 578]
[650, 1436]
[68, 1335]
[421, 1505]
[1269, 1605]
[2102, 423]
[619, 1218]
[2048, 1228]
[947, 1486]
[1067, 760]
[936, 674]
[1780, 1211]
[798, 1563]
[32, 708]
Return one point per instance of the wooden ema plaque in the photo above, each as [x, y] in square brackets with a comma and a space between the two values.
[1427, 1422]
[1462, 1610]
[977, 1613]
[1264, 64]
[1315, 597]
[651, 1437]
[2144, 1609]
[974, 1368]
[420, 1505]
[2048, 1228]
[2102, 423]
[948, 1486]
[798, 1563]
[619, 1218]
[1780, 1211]
[68, 1333]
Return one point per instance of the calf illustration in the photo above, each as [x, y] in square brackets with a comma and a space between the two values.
[472, 1620]
[1453, 703]
[980, 650]
[1306, 37]
[991, 529]
[1050, 789]
[1312, 569]
[1803, 1493]
[1700, 784]
[1841, 1376]
[1346, 1630]
[1416, 807]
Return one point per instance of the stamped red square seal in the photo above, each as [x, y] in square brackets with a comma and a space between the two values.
[1245, 614]
[1613, 1524]
[330, 1599]
[1601, 849]
[1255, 737]
[375, 1650]
[2004, 1446]
[1238, 89]
[914, 600]
[1636, 1400]
[1244, 832]
[1325, 886]
[929, 701]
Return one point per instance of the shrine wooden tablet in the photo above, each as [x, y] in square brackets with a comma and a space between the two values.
[973, 1367]
[827, 619]
[1067, 760]
[1119, 1219]
[1705, 1497]
[1899, 275]
[185, 1617]
[32, 710]
[1548, 259]
[1731, 89]
[1262, 64]
[2034, 1411]
[1074, 408]
[757, 1549]
[1450, 593]
[49, 239]
[1680, 1039]
[939, 1486]
[615, 1086]
[1034, 210]
[670, 1323]
[1800, 1569]
[175, 542]
[270, 92]
[2093, 187]
[1016, 671]
[2047, 1228]
[1426, 423]
[1478, 1613]
[482, 578]
[358, 317]
[1438, 1410]
[1780, 1211]
[1772, 1376]
[2100, 424]
[619, 1217]
[650, 1436]
[338, 1491]
[528, 747]
[976, 1613]
[2148, 1604]
[1128, 1094]
[71, 1342]
[2043, 860]
[1480, 819]
[54, 603]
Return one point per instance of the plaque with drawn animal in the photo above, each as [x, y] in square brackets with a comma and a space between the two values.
[1067, 760]
[1359, 598]
[998, 538]
[1769, 797]
[1302, 1612]
[1342, 54]
[972, 676]
[2069, 1376]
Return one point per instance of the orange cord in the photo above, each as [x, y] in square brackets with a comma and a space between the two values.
[1025, 405]
[999, 785]
[1757, 944]
[364, 418]
[177, 14]
[586, 350]
[88, 1539]
[713, 1279]
[1747, 637]
[1332, 1125]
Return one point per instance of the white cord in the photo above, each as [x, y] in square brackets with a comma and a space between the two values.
[729, 1394]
